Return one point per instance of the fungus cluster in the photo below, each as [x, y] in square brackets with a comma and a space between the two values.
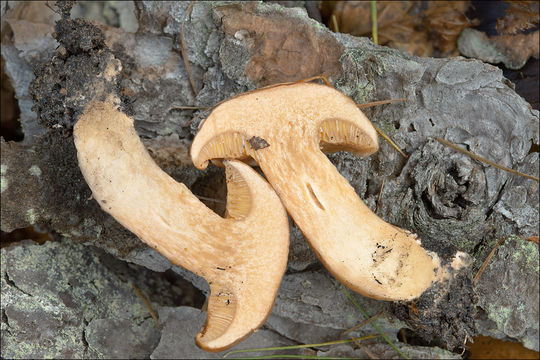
[243, 256]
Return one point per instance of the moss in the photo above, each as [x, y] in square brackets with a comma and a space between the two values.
[3, 169]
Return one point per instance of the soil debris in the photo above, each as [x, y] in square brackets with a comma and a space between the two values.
[444, 315]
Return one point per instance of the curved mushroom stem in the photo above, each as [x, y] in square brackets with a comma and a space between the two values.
[284, 128]
[243, 257]
[365, 253]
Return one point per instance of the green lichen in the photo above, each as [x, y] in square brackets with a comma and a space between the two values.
[31, 216]
[35, 170]
[462, 243]
[3, 179]
[526, 252]
[70, 284]
[499, 314]
[387, 126]
[363, 93]
[3, 184]
[369, 65]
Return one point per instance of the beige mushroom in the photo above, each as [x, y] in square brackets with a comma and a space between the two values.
[284, 128]
[243, 257]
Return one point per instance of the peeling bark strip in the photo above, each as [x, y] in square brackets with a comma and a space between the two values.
[282, 50]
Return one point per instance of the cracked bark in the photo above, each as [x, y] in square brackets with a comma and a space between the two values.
[12, 283]
[467, 102]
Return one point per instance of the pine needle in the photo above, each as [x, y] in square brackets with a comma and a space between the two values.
[484, 160]
[334, 22]
[317, 77]
[369, 353]
[363, 323]
[147, 304]
[383, 135]
[381, 102]
[292, 347]
[485, 263]
[387, 138]
[366, 315]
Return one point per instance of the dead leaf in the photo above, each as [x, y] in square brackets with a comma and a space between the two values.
[517, 49]
[422, 28]
[520, 16]
[444, 21]
[512, 50]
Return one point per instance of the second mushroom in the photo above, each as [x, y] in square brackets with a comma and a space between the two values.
[284, 128]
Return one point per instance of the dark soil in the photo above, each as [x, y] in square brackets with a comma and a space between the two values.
[64, 86]
[444, 315]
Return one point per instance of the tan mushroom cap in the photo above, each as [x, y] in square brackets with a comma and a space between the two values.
[243, 257]
[284, 128]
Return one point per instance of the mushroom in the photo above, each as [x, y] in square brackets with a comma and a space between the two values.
[243, 256]
[283, 128]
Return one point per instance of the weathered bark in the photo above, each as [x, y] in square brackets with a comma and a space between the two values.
[451, 200]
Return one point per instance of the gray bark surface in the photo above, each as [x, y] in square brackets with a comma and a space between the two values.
[451, 200]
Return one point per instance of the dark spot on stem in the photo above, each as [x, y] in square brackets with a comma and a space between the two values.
[258, 143]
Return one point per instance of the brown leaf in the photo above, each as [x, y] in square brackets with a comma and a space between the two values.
[512, 50]
[444, 21]
[520, 16]
[417, 27]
